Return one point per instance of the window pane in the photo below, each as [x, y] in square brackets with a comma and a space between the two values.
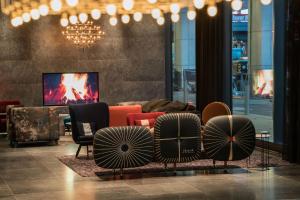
[252, 54]
[183, 50]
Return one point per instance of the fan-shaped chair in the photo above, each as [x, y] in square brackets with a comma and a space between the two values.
[123, 147]
[229, 138]
[177, 138]
[96, 114]
[214, 109]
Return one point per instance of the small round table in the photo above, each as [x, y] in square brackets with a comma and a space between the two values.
[264, 136]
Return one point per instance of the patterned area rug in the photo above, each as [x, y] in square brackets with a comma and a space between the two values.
[87, 167]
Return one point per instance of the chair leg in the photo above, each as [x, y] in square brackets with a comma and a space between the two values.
[87, 151]
[78, 150]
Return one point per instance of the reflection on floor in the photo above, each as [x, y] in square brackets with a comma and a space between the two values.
[35, 173]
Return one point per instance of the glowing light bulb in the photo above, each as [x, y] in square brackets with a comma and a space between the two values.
[128, 4]
[160, 21]
[111, 9]
[174, 8]
[212, 11]
[35, 14]
[125, 19]
[152, 1]
[266, 2]
[236, 5]
[96, 14]
[26, 17]
[14, 22]
[137, 16]
[73, 19]
[155, 13]
[199, 3]
[83, 17]
[113, 21]
[72, 3]
[175, 18]
[191, 14]
[64, 22]
[44, 9]
[56, 5]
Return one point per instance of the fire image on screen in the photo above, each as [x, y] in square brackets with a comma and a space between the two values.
[70, 88]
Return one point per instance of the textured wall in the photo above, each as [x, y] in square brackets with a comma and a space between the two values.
[129, 59]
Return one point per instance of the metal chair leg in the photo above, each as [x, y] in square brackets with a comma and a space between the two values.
[87, 151]
[78, 150]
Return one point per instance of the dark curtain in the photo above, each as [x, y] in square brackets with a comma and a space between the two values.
[292, 65]
[213, 56]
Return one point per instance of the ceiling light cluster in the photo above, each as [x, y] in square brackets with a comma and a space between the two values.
[83, 34]
[72, 11]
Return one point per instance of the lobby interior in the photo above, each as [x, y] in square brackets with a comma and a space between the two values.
[149, 99]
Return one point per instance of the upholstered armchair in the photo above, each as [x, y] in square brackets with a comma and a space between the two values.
[86, 119]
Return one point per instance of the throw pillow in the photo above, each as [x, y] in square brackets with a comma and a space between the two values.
[86, 128]
[148, 123]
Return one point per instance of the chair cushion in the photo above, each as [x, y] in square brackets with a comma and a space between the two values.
[86, 128]
[131, 117]
[118, 114]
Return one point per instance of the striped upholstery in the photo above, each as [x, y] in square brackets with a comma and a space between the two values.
[177, 138]
[229, 138]
[123, 147]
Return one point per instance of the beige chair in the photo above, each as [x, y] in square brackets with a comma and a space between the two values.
[214, 109]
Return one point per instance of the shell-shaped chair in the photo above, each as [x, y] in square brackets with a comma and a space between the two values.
[123, 147]
[177, 138]
[229, 138]
[214, 109]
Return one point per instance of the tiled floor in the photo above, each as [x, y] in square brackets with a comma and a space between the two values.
[35, 173]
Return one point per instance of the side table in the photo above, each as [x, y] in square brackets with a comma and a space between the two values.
[264, 137]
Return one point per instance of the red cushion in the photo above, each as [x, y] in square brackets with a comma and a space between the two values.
[131, 117]
[148, 123]
[118, 114]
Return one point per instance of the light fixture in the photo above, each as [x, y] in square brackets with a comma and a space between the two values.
[125, 19]
[35, 14]
[175, 18]
[236, 5]
[111, 9]
[44, 10]
[136, 8]
[137, 16]
[155, 13]
[160, 21]
[64, 22]
[83, 17]
[212, 10]
[113, 21]
[83, 34]
[26, 17]
[199, 4]
[175, 8]
[191, 14]
[128, 4]
[56, 5]
[72, 3]
[73, 19]
[266, 2]
[96, 14]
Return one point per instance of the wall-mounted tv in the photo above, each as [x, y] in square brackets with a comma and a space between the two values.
[70, 88]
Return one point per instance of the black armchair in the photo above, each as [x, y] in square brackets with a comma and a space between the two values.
[96, 115]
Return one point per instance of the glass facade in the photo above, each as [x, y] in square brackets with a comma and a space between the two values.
[184, 60]
[252, 63]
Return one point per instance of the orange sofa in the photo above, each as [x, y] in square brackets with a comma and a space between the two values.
[118, 114]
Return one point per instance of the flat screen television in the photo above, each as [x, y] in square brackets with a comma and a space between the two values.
[70, 88]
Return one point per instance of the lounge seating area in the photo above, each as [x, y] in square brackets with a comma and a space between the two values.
[149, 99]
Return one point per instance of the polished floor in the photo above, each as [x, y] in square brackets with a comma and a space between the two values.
[35, 173]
